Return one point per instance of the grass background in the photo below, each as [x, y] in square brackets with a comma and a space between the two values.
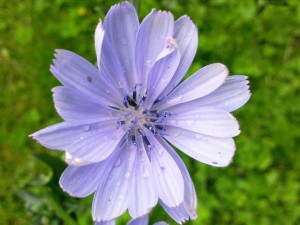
[259, 38]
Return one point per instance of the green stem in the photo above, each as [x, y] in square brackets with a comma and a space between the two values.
[60, 211]
[137, 4]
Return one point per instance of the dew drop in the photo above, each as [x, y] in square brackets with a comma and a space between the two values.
[85, 127]
[146, 173]
[118, 163]
[119, 183]
[121, 196]
[127, 175]
[147, 62]
[190, 122]
[107, 91]
[198, 136]
[160, 152]
[176, 134]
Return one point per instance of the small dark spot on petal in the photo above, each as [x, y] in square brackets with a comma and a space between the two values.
[215, 163]
[89, 79]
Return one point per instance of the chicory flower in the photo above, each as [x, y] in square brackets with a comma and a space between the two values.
[120, 116]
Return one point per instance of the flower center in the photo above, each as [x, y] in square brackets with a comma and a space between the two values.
[139, 120]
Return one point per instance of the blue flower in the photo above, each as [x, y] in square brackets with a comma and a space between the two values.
[119, 118]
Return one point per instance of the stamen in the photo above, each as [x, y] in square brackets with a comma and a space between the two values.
[160, 127]
[145, 139]
[133, 140]
[148, 126]
[113, 107]
[131, 101]
[125, 102]
[134, 90]
[144, 97]
[120, 123]
[160, 99]
[133, 123]
[134, 95]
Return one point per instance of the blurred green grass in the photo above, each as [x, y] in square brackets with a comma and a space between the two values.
[259, 38]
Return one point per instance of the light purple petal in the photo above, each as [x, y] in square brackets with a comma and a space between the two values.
[186, 36]
[206, 149]
[205, 120]
[201, 83]
[74, 71]
[187, 209]
[111, 198]
[121, 27]
[111, 222]
[231, 95]
[99, 36]
[139, 221]
[162, 71]
[167, 176]
[78, 108]
[97, 145]
[59, 136]
[81, 181]
[160, 223]
[142, 194]
[151, 39]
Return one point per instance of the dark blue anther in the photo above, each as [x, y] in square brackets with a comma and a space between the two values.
[145, 139]
[134, 95]
[144, 97]
[133, 140]
[120, 123]
[156, 101]
[160, 127]
[134, 91]
[148, 126]
[125, 103]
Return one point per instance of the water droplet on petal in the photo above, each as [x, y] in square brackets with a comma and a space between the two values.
[127, 175]
[85, 127]
[147, 62]
[146, 173]
[190, 122]
[118, 163]
[121, 196]
[119, 183]
[175, 134]
[198, 136]
[160, 152]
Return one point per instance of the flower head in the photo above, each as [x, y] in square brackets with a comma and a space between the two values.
[119, 117]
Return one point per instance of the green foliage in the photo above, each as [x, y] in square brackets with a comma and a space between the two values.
[259, 38]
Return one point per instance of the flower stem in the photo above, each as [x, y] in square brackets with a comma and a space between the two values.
[60, 211]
